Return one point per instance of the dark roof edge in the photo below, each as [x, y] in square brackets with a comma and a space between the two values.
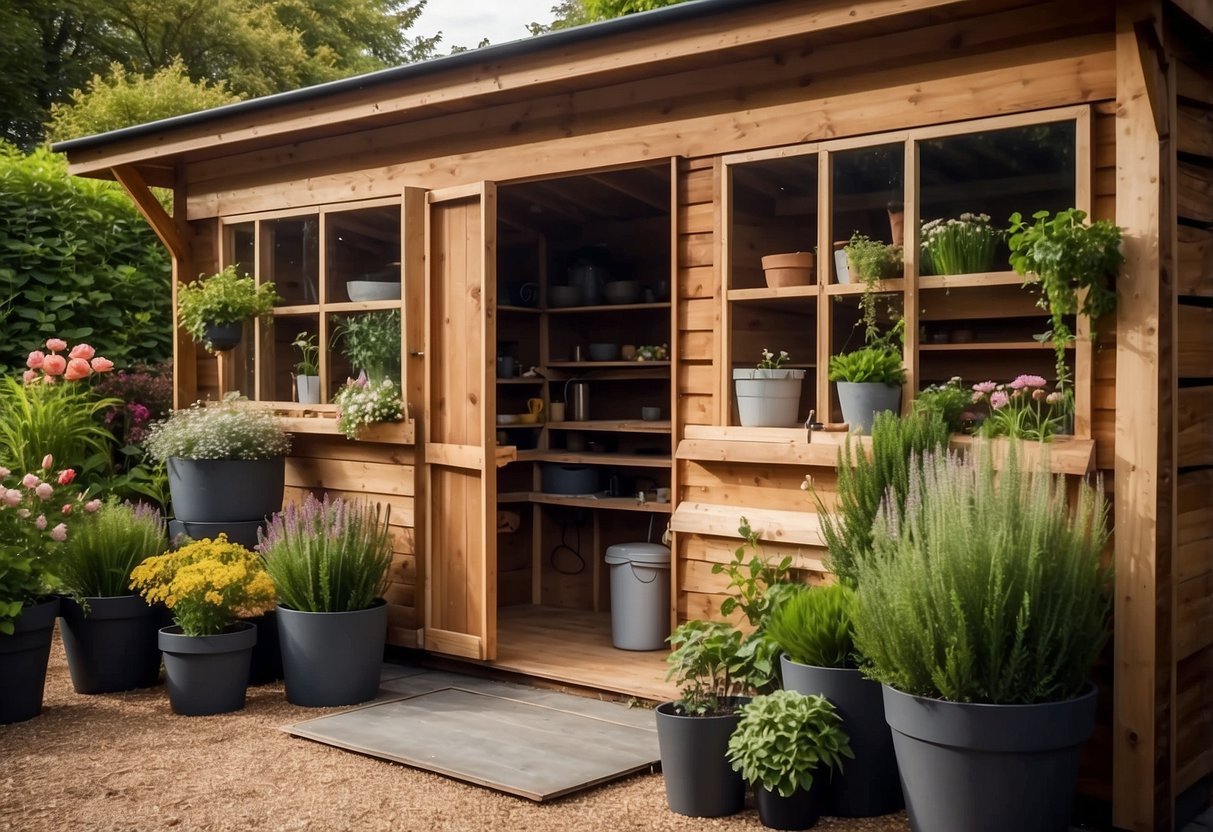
[691, 10]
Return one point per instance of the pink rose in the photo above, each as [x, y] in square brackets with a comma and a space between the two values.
[77, 369]
[56, 344]
[101, 365]
[82, 351]
[59, 533]
[4, 472]
[30, 481]
[40, 522]
[29, 376]
[66, 477]
[34, 361]
[92, 505]
[54, 365]
[44, 490]
[67, 508]
[12, 497]
[48, 462]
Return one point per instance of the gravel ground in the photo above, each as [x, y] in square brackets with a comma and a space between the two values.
[125, 762]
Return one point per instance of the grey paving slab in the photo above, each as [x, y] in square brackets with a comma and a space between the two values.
[537, 750]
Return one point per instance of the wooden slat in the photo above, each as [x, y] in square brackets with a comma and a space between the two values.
[769, 524]
[399, 433]
[1195, 192]
[1195, 130]
[1193, 615]
[1194, 415]
[345, 475]
[470, 457]
[1195, 262]
[1195, 344]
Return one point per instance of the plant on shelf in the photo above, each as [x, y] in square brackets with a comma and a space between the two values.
[872, 261]
[959, 246]
[329, 561]
[307, 370]
[987, 589]
[207, 585]
[951, 400]
[1023, 409]
[213, 309]
[361, 403]
[769, 394]
[1076, 264]
[371, 342]
[870, 378]
[783, 745]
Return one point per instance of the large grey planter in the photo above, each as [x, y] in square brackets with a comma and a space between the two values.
[997, 768]
[699, 781]
[861, 401]
[23, 658]
[207, 674]
[112, 646]
[332, 658]
[221, 490]
[868, 784]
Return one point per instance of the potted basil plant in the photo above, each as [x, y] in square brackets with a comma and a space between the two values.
[784, 745]
[213, 309]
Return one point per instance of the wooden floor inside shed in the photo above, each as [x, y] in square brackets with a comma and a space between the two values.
[574, 646]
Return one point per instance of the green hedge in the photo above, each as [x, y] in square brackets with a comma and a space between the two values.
[77, 261]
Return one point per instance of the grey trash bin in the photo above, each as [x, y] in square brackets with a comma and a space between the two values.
[640, 595]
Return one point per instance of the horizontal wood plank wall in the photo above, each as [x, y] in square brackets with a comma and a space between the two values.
[1193, 569]
[382, 474]
[1103, 370]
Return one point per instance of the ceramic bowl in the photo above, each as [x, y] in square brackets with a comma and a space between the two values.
[507, 419]
[604, 352]
[622, 291]
[360, 290]
[561, 297]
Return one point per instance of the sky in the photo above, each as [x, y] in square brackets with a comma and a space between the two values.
[465, 22]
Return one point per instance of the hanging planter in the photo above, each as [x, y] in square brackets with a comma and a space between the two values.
[223, 337]
[213, 309]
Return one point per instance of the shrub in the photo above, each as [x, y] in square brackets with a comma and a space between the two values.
[703, 663]
[987, 586]
[328, 556]
[76, 258]
[785, 739]
[815, 626]
[105, 546]
[232, 430]
[950, 400]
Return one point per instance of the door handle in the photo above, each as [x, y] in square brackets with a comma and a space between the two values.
[417, 353]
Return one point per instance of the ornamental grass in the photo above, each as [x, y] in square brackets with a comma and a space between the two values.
[98, 558]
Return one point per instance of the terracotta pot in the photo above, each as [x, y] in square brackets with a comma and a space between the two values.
[789, 269]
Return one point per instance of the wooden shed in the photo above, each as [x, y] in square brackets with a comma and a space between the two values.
[676, 148]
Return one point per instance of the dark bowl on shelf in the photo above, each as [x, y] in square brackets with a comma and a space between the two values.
[604, 352]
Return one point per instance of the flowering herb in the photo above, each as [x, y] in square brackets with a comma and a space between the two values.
[206, 584]
[770, 361]
[959, 246]
[36, 511]
[309, 354]
[1023, 408]
[234, 429]
[361, 402]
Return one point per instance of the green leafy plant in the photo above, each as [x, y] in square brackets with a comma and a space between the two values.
[62, 419]
[1076, 264]
[309, 354]
[360, 403]
[702, 662]
[878, 363]
[106, 545]
[771, 361]
[959, 246]
[786, 739]
[207, 584]
[330, 556]
[951, 400]
[233, 429]
[986, 586]
[372, 343]
[864, 478]
[872, 261]
[814, 626]
[222, 298]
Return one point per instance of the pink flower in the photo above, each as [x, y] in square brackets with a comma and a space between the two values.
[56, 344]
[48, 462]
[66, 477]
[44, 490]
[30, 481]
[54, 365]
[34, 361]
[82, 351]
[1027, 381]
[77, 369]
[4, 472]
[92, 505]
[986, 387]
[29, 376]
[101, 365]
[1038, 395]
[23, 512]
[999, 399]
[67, 508]
[12, 497]
[1054, 398]
[59, 533]
[40, 522]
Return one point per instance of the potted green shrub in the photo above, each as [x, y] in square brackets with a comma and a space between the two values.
[1076, 264]
[213, 309]
[814, 629]
[109, 633]
[226, 466]
[307, 371]
[206, 585]
[869, 380]
[981, 610]
[371, 342]
[329, 561]
[769, 395]
[784, 743]
[964, 245]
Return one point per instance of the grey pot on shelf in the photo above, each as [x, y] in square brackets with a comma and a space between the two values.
[861, 401]
[224, 490]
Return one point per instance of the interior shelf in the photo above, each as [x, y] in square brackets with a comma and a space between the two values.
[882, 286]
[532, 309]
[532, 380]
[609, 307]
[615, 425]
[606, 365]
[988, 345]
[775, 294]
[590, 458]
[972, 281]
[585, 501]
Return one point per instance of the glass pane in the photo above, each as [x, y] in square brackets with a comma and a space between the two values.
[283, 362]
[774, 211]
[993, 173]
[290, 250]
[240, 247]
[367, 342]
[867, 199]
[362, 254]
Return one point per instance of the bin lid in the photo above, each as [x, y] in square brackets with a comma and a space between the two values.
[647, 554]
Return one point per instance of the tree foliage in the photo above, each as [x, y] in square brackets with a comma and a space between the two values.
[569, 13]
[77, 261]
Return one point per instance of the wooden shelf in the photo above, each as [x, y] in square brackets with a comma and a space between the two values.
[589, 458]
[584, 501]
[532, 380]
[615, 426]
[988, 345]
[764, 293]
[362, 305]
[507, 308]
[882, 287]
[517, 426]
[395, 433]
[608, 307]
[971, 281]
[606, 365]
[298, 309]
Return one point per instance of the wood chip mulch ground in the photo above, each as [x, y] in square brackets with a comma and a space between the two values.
[125, 762]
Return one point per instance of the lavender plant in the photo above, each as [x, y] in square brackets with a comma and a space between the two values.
[98, 558]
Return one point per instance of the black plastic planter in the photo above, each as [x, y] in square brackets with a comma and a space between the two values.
[113, 645]
[997, 768]
[332, 658]
[868, 784]
[223, 490]
[23, 659]
[799, 811]
[266, 665]
[224, 336]
[207, 674]
[699, 781]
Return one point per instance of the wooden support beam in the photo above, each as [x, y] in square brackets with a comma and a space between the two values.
[152, 211]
